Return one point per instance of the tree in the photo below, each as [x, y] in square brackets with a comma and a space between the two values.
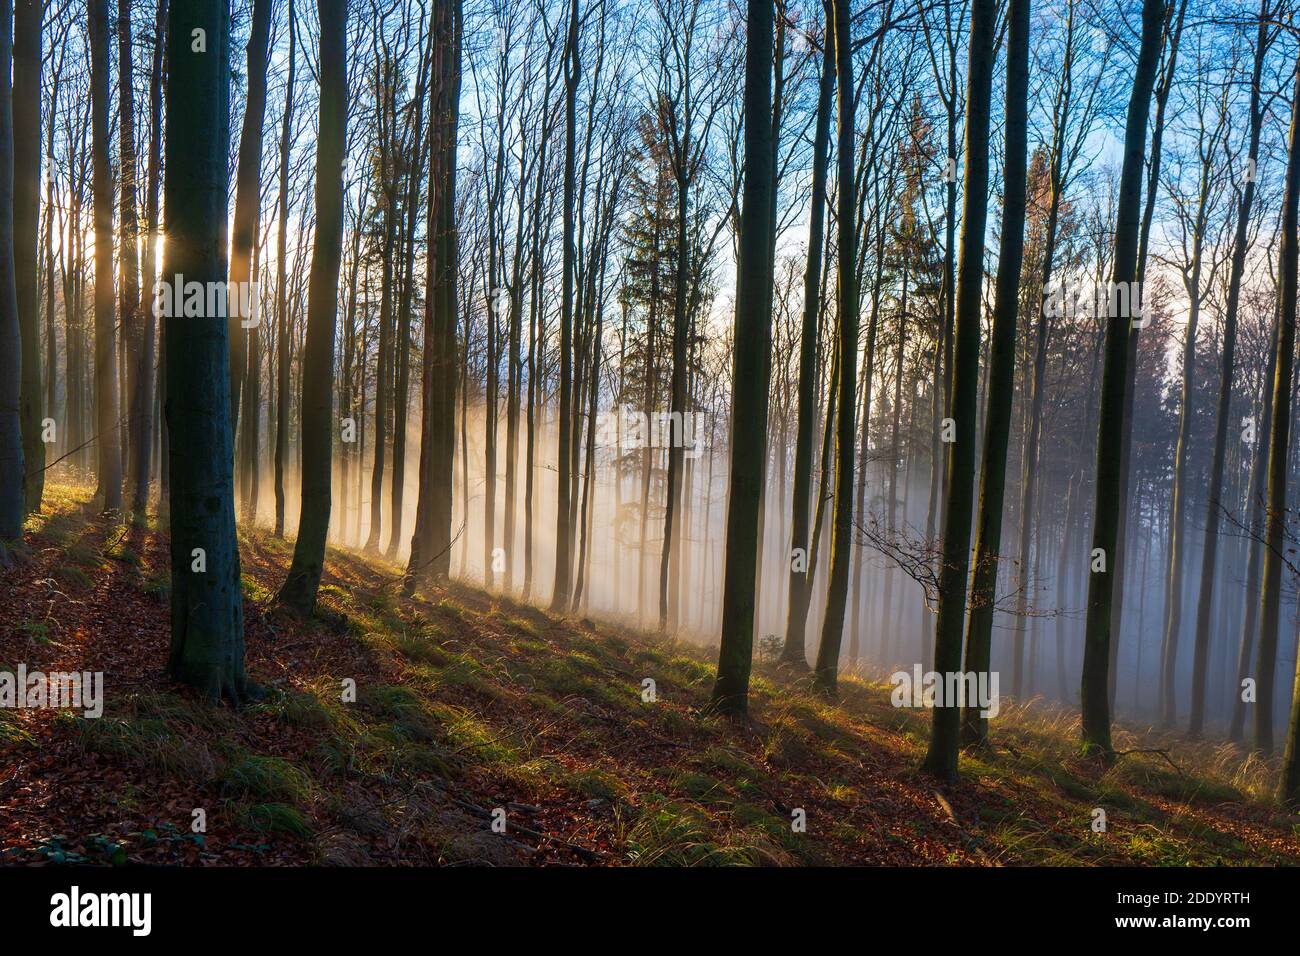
[207, 610]
[941, 757]
[1223, 410]
[12, 504]
[753, 329]
[248, 195]
[564, 500]
[27, 25]
[281, 285]
[130, 310]
[431, 540]
[846, 344]
[1002, 347]
[142, 396]
[1279, 438]
[299, 590]
[1095, 690]
[108, 436]
[1289, 785]
[800, 584]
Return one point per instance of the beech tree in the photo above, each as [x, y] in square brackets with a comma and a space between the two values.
[1095, 689]
[299, 590]
[207, 607]
[753, 325]
[12, 502]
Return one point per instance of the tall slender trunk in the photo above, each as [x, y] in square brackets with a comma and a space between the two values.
[281, 287]
[1095, 683]
[799, 559]
[958, 496]
[12, 504]
[752, 342]
[564, 499]
[1223, 412]
[299, 589]
[108, 436]
[27, 23]
[1002, 347]
[1270, 596]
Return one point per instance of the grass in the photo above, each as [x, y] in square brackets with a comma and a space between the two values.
[466, 701]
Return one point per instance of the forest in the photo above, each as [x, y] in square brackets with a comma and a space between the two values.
[649, 432]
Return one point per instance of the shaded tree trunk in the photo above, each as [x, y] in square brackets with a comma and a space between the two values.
[753, 330]
[207, 611]
[108, 436]
[846, 339]
[27, 18]
[1095, 682]
[1002, 347]
[300, 586]
[12, 504]
[794, 651]
[958, 495]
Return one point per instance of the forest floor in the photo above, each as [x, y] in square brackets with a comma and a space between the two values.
[469, 703]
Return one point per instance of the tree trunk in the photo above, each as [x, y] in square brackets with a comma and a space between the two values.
[207, 634]
[248, 195]
[281, 286]
[431, 541]
[846, 344]
[1094, 686]
[299, 590]
[1223, 413]
[794, 651]
[753, 329]
[1002, 347]
[564, 499]
[28, 15]
[1274, 541]
[108, 437]
[12, 504]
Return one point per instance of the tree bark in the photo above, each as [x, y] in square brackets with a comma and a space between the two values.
[753, 329]
[299, 590]
[28, 15]
[1002, 347]
[108, 436]
[958, 496]
[1094, 685]
[207, 615]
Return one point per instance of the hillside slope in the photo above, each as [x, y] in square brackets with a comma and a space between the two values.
[470, 704]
